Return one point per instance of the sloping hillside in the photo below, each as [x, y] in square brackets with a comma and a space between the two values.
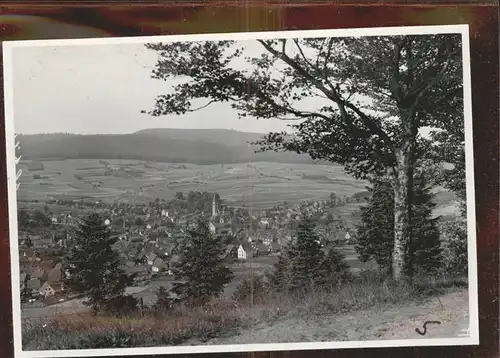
[197, 146]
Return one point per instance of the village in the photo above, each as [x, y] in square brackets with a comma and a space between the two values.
[148, 237]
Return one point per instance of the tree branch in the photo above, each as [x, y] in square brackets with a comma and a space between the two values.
[332, 94]
[302, 54]
[369, 123]
[201, 107]
[327, 57]
[395, 78]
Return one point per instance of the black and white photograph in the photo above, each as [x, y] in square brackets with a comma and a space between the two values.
[241, 192]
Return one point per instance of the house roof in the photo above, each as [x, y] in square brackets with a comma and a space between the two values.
[343, 233]
[328, 247]
[168, 249]
[135, 269]
[228, 250]
[262, 247]
[39, 272]
[28, 252]
[275, 245]
[56, 286]
[175, 258]
[245, 246]
[55, 274]
[46, 265]
[33, 283]
[158, 262]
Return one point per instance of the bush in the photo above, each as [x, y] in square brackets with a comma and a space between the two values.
[454, 246]
[85, 331]
[253, 288]
[335, 270]
[121, 305]
[164, 300]
[111, 339]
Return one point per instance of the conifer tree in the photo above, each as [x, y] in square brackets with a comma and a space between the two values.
[374, 240]
[278, 278]
[163, 299]
[375, 235]
[93, 266]
[251, 289]
[334, 269]
[305, 257]
[201, 273]
[303, 266]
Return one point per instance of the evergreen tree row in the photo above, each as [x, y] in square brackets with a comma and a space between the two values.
[375, 233]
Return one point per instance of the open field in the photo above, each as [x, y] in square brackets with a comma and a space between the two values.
[258, 185]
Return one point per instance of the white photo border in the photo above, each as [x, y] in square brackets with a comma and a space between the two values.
[472, 339]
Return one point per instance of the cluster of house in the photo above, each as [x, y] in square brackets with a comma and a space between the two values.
[150, 248]
[158, 256]
[40, 277]
[246, 249]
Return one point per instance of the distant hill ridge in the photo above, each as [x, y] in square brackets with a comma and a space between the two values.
[196, 146]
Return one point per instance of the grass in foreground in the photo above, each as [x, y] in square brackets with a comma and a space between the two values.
[226, 317]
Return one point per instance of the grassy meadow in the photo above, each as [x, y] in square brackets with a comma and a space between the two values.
[257, 185]
[369, 298]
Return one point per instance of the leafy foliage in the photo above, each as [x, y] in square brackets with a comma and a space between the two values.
[375, 235]
[422, 73]
[201, 274]
[454, 243]
[40, 219]
[93, 265]
[450, 146]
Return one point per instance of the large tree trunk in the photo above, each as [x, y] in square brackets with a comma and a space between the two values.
[403, 182]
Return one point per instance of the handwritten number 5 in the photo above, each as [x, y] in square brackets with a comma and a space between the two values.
[422, 333]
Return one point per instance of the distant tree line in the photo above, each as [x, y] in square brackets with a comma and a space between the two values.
[33, 219]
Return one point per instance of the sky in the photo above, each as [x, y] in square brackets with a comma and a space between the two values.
[101, 89]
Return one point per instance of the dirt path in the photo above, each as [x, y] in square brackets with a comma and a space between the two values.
[391, 323]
